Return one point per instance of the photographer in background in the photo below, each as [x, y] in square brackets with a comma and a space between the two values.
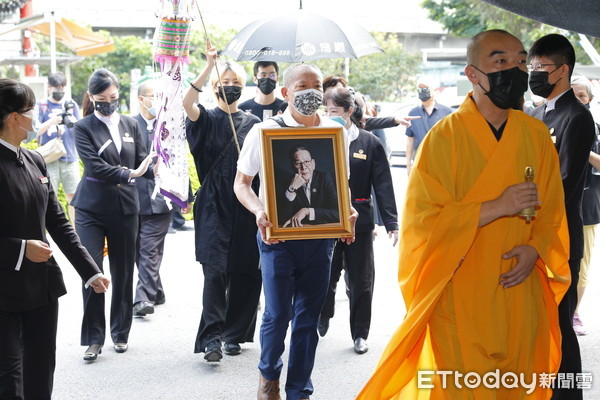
[57, 116]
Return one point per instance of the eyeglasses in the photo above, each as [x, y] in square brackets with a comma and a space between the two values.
[271, 75]
[537, 66]
[304, 164]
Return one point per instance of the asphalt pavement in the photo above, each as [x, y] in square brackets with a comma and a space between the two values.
[161, 364]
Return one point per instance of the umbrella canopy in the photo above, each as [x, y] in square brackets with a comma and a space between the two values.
[76, 37]
[575, 15]
[301, 36]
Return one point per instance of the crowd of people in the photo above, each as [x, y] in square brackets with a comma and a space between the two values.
[518, 314]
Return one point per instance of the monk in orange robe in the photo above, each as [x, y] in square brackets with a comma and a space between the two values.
[481, 283]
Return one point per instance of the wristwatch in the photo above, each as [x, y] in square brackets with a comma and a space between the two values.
[291, 189]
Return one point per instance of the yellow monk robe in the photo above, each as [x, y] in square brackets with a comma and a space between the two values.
[459, 318]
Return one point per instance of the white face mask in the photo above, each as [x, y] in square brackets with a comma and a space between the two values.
[308, 101]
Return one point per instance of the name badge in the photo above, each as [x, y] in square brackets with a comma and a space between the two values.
[360, 155]
[127, 138]
[43, 179]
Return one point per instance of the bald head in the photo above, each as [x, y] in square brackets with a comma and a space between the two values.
[294, 72]
[475, 45]
[146, 88]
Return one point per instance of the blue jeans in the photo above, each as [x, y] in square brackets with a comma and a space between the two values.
[295, 279]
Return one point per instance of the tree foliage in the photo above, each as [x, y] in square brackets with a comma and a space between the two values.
[465, 18]
[381, 76]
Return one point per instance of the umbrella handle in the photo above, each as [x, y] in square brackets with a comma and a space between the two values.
[208, 43]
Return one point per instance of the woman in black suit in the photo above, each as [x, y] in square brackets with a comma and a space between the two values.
[369, 167]
[106, 206]
[30, 279]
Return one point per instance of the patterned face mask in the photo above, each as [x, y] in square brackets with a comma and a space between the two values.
[308, 101]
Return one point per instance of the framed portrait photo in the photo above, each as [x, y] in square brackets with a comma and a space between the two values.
[305, 183]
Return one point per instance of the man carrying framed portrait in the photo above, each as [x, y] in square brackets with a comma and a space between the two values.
[295, 272]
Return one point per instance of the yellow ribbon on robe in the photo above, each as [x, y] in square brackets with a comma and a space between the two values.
[460, 165]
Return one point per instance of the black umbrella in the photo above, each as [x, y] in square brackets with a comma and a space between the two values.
[575, 15]
[300, 36]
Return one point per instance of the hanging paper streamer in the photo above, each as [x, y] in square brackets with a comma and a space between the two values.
[171, 52]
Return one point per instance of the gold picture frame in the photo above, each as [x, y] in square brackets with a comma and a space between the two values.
[317, 154]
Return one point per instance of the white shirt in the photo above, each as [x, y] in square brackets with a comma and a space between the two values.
[249, 162]
[551, 104]
[112, 123]
[149, 122]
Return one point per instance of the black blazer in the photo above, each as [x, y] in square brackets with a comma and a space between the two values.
[369, 167]
[572, 129]
[29, 208]
[323, 199]
[145, 186]
[105, 186]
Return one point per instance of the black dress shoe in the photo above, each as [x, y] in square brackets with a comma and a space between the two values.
[184, 228]
[213, 351]
[323, 326]
[232, 349]
[161, 300]
[121, 347]
[141, 308]
[360, 346]
[91, 354]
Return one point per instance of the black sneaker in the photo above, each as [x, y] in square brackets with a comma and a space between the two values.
[213, 351]
[232, 349]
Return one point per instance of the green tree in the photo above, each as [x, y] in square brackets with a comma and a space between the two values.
[383, 76]
[465, 18]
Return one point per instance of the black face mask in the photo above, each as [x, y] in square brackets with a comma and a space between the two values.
[58, 96]
[266, 85]
[538, 83]
[232, 93]
[424, 94]
[107, 108]
[506, 87]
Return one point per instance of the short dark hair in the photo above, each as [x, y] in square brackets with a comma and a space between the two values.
[265, 64]
[344, 98]
[56, 79]
[294, 150]
[557, 48]
[14, 97]
[332, 81]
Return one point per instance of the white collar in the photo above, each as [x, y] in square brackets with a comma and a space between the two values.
[353, 133]
[289, 120]
[112, 120]
[551, 104]
[149, 122]
[9, 146]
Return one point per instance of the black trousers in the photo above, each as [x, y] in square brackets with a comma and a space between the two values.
[358, 261]
[571, 356]
[28, 353]
[177, 219]
[229, 306]
[120, 232]
[150, 249]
